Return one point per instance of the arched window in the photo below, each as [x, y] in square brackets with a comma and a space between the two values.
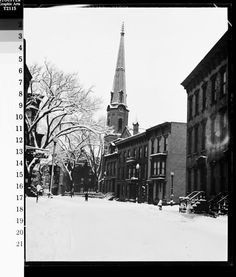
[121, 96]
[119, 124]
[112, 96]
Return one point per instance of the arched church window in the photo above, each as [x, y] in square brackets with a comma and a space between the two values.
[120, 124]
[121, 96]
[112, 96]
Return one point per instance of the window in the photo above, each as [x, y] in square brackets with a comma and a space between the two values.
[196, 139]
[223, 82]
[165, 143]
[163, 168]
[128, 153]
[152, 146]
[134, 172]
[213, 129]
[158, 144]
[124, 156]
[189, 141]
[120, 124]
[190, 107]
[134, 153]
[223, 124]
[213, 89]
[195, 178]
[154, 168]
[112, 96]
[204, 135]
[204, 88]
[121, 97]
[189, 185]
[213, 179]
[145, 171]
[140, 152]
[197, 102]
[158, 167]
[145, 151]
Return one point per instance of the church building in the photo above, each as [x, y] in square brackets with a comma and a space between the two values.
[117, 110]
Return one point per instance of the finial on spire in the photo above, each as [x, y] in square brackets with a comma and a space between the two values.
[122, 29]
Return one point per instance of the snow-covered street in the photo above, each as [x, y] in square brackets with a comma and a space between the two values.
[70, 229]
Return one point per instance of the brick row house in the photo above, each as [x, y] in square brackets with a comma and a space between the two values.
[207, 122]
[148, 166]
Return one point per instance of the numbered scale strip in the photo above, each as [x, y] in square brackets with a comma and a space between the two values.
[12, 139]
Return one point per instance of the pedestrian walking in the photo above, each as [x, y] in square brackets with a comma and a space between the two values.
[86, 196]
[38, 191]
[160, 204]
[72, 192]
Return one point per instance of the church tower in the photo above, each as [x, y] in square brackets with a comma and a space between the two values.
[117, 111]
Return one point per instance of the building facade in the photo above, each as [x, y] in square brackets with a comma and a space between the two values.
[148, 166]
[207, 122]
[167, 162]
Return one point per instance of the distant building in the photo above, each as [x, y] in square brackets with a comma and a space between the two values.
[84, 179]
[148, 166]
[207, 122]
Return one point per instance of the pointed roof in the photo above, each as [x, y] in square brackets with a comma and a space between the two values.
[119, 83]
[126, 133]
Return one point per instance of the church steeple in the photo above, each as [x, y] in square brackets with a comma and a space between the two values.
[118, 93]
[117, 111]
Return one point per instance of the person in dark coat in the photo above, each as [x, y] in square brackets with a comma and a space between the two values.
[86, 196]
[160, 204]
[39, 190]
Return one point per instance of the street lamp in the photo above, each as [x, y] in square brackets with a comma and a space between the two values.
[137, 187]
[52, 173]
[172, 188]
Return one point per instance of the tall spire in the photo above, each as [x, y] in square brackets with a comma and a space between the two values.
[119, 84]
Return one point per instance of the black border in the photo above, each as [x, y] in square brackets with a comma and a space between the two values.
[191, 267]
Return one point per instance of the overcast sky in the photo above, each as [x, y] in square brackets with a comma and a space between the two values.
[162, 46]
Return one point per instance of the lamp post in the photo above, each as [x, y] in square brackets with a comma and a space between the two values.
[137, 186]
[172, 188]
[52, 173]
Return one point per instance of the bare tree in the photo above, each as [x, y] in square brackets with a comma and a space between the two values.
[56, 106]
[83, 143]
[94, 149]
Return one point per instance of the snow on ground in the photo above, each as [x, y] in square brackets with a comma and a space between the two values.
[70, 229]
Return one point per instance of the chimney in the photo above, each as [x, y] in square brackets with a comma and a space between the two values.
[135, 128]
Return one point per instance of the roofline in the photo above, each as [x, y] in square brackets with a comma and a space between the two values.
[131, 138]
[159, 126]
[219, 44]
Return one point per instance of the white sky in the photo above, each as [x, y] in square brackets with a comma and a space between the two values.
[162, 46]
